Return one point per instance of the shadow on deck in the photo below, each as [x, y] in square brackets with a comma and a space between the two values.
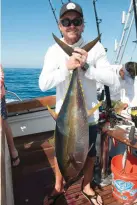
[33, 179]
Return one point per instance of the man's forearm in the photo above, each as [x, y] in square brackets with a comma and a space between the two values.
[103, 75]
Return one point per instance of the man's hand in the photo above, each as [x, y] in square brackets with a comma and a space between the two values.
[73, 62]
[78, 59]
[122, 73]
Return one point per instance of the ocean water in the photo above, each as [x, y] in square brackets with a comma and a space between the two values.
[24, 83]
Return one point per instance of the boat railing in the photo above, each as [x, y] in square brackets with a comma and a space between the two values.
[12, 93]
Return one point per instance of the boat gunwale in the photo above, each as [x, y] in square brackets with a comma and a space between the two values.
[29, 105]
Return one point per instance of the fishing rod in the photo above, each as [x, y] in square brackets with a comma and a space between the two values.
[98, 21]
[53, 10]
[106, 88]
[62, 2]
[104, 159]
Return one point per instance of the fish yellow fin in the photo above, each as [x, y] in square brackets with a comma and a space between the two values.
[90, 112]
[119, 107]
[53, 114]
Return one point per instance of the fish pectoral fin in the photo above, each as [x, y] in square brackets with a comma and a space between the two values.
[92, 110]
[53, 114]
[72, 160]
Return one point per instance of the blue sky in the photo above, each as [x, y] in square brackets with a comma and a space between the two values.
[27, 28]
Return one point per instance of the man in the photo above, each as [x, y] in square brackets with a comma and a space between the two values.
[128, 90]
[127, 95]
[56, 73]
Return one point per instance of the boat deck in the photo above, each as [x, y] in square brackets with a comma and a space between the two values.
[33, 179]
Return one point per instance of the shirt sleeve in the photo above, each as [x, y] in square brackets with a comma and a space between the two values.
[104, 75]
[53, 72]
[101, 70]
[100, 56]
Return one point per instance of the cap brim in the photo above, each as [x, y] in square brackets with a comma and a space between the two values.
[71, 10]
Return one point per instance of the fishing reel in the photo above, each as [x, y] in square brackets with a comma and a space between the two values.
[108, 115]
[134, 115]
[110, 112]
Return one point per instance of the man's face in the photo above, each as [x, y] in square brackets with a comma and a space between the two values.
[71, 33]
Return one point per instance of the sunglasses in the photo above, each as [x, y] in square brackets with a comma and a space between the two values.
[68, 22]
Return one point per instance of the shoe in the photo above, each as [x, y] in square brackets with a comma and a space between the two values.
[90, 198]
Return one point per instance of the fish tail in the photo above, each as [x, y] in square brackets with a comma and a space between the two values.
[72, 181]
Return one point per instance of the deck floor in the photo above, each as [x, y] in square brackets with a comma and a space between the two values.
[33, 179]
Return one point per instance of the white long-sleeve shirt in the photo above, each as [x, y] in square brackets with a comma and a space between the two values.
[127, 92]
[56, 74]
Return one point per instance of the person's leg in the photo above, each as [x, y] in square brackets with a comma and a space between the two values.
[58, 188]
[88, 174]
[9, 135]
[58, 178]
[89, 167]
[12, 149]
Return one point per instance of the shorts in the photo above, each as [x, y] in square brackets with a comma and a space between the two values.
[93, 131]
[3, 108]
